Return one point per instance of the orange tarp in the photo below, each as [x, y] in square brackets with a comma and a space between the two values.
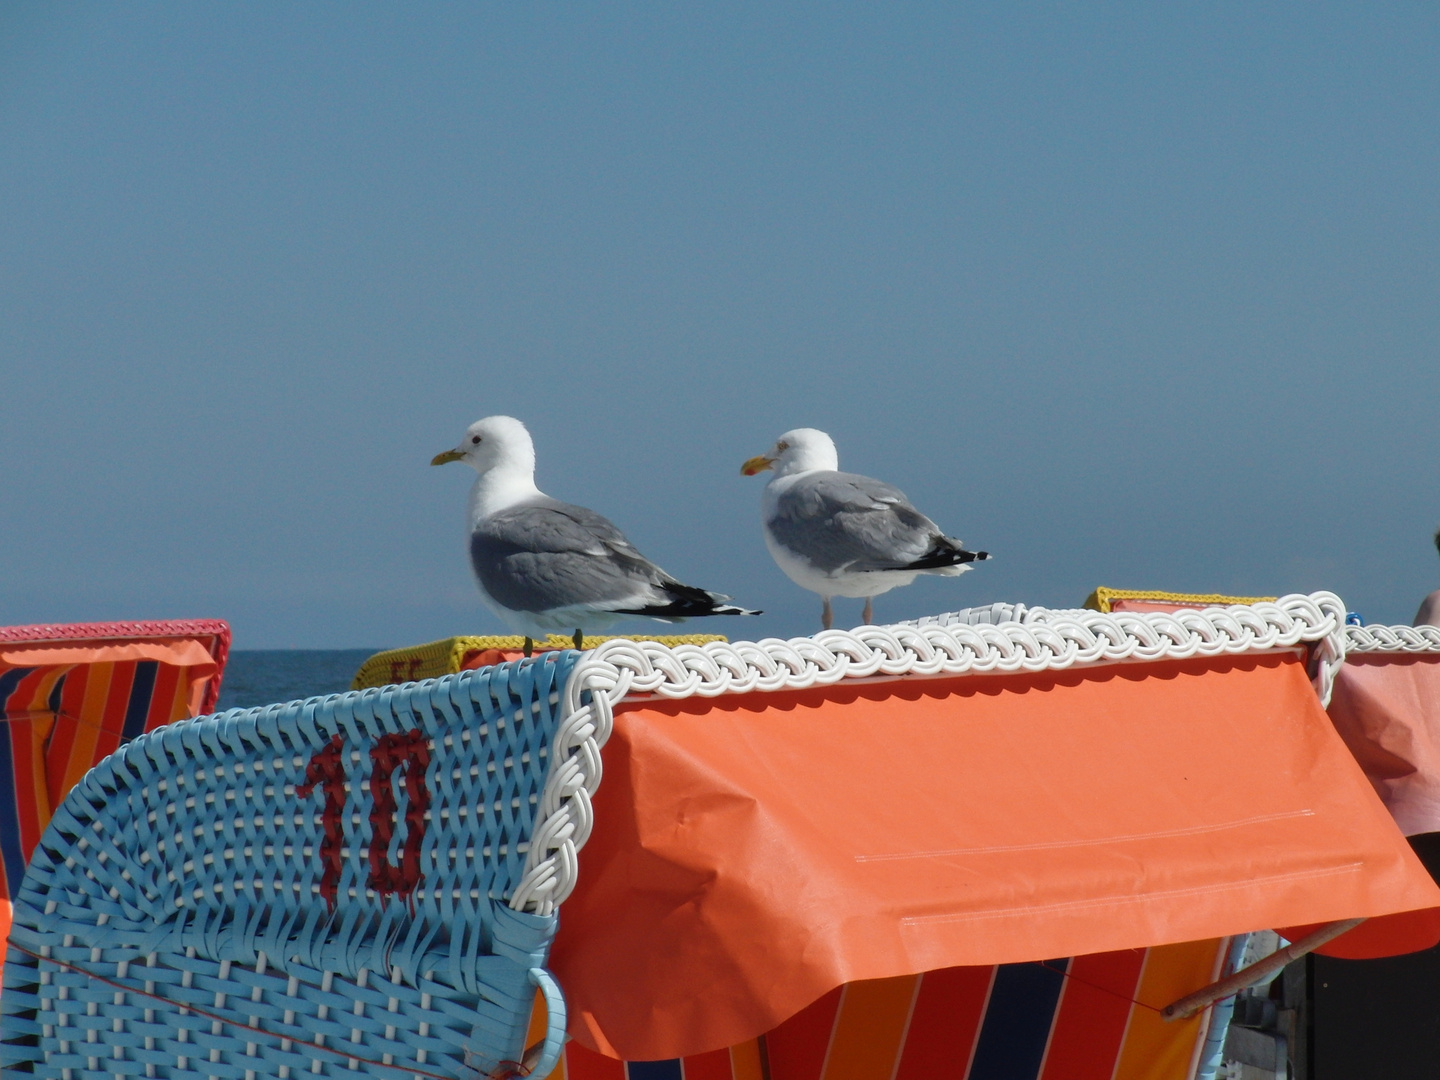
[752, 852]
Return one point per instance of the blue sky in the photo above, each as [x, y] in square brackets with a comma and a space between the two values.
[1127, 294]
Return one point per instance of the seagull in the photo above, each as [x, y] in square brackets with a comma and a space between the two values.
[545, 565]
[839, 534]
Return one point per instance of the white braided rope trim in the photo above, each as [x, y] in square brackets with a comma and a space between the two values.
[1392, 639]
[973, 616]
[1046, 641]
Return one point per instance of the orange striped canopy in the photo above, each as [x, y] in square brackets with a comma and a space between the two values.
[70, 694]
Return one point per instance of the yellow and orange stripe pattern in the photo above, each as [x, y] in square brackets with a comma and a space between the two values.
[58, 720]
[1082, 1018]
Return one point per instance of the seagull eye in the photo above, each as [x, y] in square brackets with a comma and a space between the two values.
[782, 447]
[475, 439]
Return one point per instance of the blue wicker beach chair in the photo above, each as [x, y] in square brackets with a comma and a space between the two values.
[315, 888]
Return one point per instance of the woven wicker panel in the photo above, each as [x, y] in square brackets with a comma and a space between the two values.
[449, 655]
[206, 902]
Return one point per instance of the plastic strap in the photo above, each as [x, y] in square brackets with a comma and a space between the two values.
[555, 1022]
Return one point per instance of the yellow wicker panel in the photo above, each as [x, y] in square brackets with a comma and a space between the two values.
[1101, 598]
[446, 656]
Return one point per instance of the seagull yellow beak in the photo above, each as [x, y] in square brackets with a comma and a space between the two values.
[756, 465]
[447, 457]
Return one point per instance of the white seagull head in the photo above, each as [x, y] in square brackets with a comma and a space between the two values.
[801, 450]
[496, 444]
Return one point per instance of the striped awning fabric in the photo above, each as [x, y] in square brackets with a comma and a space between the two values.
[70, 694]
[1084, 1018]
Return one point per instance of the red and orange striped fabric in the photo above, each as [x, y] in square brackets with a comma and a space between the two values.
[1087, 1018]
[71, 694]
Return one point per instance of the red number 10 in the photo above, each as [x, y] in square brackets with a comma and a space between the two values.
[390, 752]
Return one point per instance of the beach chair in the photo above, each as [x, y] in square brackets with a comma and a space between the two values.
[312, 888]
[70, 695]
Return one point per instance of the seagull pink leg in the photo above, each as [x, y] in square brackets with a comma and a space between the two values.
[827, 616]
[868, 618]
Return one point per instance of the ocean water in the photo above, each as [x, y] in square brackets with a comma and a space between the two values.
[265, 676]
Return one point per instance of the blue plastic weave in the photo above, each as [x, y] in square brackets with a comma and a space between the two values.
[174, 920]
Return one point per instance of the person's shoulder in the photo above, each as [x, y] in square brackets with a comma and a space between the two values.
[1429, 613]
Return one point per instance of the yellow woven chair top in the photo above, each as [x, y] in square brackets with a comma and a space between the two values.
[449, 655]
[1104, 597]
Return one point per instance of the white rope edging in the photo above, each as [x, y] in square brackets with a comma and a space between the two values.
[1392, 639]
[1046, 640]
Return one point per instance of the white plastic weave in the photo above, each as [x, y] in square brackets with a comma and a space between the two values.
[973, 616]
[1046, 640]
[1392, 639]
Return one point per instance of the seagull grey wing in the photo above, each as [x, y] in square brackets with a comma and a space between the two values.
[603, 531]
[843, 521]
[664, 597]
[544, 556]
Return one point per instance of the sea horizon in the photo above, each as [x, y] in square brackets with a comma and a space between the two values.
[268, 676]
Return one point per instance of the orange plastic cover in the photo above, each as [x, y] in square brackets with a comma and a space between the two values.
[752, 852]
